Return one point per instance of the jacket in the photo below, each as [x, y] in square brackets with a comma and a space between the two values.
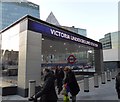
[72, 83]
[118, 83]
[47, 93]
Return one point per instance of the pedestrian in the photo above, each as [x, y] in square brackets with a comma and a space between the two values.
[60, 77]
[71, 81]
[118, 84]
[56, 71]
[47, 93]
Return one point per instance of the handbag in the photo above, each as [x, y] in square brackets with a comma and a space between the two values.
[65, 93]
[67, 87]
[66, 98]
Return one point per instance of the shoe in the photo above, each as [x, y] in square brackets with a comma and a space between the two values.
[30, 99]
[58, 93]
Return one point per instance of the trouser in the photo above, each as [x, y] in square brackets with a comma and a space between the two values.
[118, 95]
[73, 98]
[60, 86]
[47, 100]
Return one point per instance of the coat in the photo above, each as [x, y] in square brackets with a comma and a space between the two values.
[118, 83]
[48, 93]
[72, 83]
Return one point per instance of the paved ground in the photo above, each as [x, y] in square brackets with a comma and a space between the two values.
[105, 93]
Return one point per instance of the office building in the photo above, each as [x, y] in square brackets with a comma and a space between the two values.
[12, 11]
[52, 19]
[79, 31]
[111, 50]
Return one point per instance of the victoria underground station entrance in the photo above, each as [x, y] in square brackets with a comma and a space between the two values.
[30, 45]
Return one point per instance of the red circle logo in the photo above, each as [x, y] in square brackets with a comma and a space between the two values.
[71, 59]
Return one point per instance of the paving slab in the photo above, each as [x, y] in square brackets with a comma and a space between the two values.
[104, 93]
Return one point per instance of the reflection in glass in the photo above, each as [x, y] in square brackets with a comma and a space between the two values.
[58, 54]
[9, 54]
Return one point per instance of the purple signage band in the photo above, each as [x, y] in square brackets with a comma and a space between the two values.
[55, 32]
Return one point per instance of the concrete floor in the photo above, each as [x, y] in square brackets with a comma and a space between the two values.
[105, 92]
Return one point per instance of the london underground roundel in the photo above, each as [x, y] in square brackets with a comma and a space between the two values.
[71, 59]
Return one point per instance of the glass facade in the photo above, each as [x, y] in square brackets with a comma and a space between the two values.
[114, 39]
[118, 39]
[10, 51]
[55, 52]
[79, 31]
[0, 15]
[111, 41]
[106, 41]
[25, 51]
[82, 32]
[12, 11]
[111, 50]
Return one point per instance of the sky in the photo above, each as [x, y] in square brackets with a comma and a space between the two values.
[98, 17]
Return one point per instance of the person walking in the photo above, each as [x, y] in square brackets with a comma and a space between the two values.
[118, 85]
[60, 77]
[47, 93]
[71, 81]
[56, 76]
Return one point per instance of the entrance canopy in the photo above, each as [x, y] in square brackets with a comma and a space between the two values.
[59, 33]
[57, 43]
[31, 43]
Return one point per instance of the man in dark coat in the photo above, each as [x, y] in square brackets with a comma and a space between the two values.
[118, 85]
[60, 77]
[47, 93]
[71, 81]
[56, 74]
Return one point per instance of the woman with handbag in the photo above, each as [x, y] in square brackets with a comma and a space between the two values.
[71, 81]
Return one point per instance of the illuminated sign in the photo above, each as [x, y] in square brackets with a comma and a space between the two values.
[73, 38]
[52, 31]
[71, 59]
[59, 34]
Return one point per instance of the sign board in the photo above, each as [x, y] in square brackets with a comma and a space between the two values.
[71, 59]
[59, 33]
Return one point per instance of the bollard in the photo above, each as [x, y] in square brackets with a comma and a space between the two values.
[86, 83]
[32, 84]
[103, 78]
[96, 82]
[113, 74]
[108, 75]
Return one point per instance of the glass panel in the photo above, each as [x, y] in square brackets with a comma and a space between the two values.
[62, 53]
[9, 55]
